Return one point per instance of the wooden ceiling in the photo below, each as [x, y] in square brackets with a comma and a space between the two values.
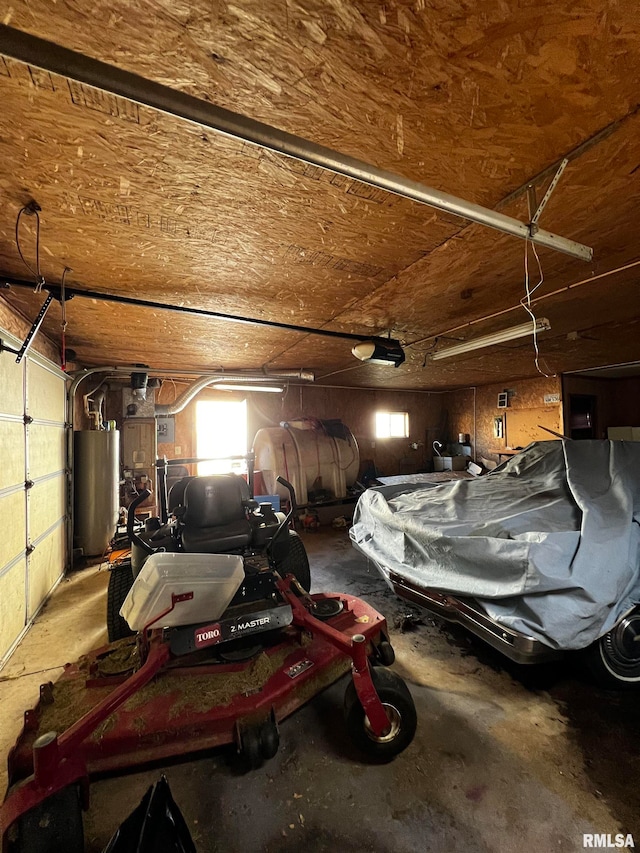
[473, 98]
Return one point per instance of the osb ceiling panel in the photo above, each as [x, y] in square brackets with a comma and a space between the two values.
[476, 99]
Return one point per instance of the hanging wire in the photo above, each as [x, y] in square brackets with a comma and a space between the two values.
[429, 350]
[63, 305]
[526, 304]
[30, 210]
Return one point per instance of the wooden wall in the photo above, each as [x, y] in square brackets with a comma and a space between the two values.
[526, 398]
[432, 416]
[356, 408]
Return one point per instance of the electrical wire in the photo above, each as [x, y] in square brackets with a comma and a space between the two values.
[526, 304]
[30, 210]
[63, 306]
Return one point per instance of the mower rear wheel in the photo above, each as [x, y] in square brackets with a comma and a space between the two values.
[296, 562]
[120, 582]
[400, 710]
[53, 825]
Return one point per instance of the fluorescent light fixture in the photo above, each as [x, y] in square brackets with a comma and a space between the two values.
[380, 351]
[541, 325]
[222, 386]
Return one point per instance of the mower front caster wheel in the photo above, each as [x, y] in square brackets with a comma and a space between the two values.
[400, 710]
[385, 654]
[258, 744]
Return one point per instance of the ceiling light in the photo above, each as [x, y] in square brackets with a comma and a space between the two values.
[380, 351]
[273, 389]
[541, 325]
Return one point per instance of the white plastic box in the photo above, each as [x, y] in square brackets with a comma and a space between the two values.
[449, 463]
[213, 578]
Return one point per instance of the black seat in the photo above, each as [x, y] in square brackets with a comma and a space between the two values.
[215, 516]
[176, 493]
[175, 473]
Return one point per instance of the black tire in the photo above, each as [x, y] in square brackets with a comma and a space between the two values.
[269, 739]
[613, 661]
[52, 826]
[385, 653]
[400, 708]
[120, 582]
[296, 562]
[251, 754]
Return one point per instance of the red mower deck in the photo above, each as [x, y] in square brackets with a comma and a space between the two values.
[131, 703]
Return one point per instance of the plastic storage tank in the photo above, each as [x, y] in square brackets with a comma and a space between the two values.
[96, 463]
[304, 454]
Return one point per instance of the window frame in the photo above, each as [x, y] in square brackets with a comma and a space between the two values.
[382, 435]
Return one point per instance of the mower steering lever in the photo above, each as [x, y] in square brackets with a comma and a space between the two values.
[131, 518]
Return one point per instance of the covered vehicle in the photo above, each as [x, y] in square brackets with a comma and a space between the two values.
[540, 556]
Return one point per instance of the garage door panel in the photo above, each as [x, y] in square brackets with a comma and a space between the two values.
[11, 453]
[46, 506]
[11, 382]
[46, 565]
[46, 449]
[14, 532]
[45, 393]
[12, 605]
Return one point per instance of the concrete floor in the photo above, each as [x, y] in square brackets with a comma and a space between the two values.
[505, 758]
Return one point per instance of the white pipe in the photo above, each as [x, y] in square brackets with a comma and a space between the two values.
[187, 396]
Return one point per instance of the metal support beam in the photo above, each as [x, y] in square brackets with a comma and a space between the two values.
[91, 72]
[33, 331]
[547, 195]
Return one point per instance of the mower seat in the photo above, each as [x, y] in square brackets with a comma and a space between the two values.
[215, 515]
[176, 493]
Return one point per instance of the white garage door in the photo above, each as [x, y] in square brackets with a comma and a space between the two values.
[33, 485]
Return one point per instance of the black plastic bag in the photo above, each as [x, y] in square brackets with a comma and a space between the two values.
[155, 826]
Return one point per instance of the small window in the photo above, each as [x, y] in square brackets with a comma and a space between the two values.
[392, 424]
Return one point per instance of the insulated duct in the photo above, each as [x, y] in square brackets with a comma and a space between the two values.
[187, 396]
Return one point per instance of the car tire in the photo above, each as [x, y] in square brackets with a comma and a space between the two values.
[613, 661]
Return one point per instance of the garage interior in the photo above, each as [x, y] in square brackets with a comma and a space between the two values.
[263, 269]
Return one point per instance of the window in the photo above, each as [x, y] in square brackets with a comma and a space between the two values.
[392, 424]
[221, 431]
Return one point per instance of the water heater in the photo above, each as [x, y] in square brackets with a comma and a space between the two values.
[96, 458]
